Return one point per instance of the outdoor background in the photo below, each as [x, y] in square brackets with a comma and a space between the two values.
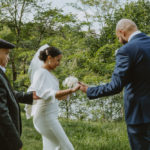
[84, 30]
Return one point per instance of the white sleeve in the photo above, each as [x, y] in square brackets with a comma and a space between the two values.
[43, 86]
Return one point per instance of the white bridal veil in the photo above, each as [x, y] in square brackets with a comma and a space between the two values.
[35, 64]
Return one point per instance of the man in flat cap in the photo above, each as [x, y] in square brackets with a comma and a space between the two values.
[10, 119]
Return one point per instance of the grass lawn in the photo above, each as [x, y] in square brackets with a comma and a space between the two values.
[83, 134]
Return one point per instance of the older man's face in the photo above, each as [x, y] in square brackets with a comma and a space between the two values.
[4, 57]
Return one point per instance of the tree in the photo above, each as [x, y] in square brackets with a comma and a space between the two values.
[13, 14]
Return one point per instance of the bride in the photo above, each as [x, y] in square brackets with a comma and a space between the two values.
[45, 111]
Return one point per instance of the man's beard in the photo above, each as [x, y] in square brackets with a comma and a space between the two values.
[123, 41]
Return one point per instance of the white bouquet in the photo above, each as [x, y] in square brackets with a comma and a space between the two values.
[70, 82]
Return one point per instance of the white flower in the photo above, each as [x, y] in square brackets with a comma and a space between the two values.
[70, 82]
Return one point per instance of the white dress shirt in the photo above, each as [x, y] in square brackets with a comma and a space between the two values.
[3, 68]
[133, 34]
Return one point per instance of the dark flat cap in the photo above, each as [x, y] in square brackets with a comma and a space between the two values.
[6, 44]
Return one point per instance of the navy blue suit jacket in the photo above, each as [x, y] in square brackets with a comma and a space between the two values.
[132, 72]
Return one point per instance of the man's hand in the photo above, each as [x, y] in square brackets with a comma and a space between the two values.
[83, 87]
[35, 97]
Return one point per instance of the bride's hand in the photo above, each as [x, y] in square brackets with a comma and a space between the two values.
[83, 87]
[75, 88]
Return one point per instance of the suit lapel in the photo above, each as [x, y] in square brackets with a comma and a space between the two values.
[8, 86]
[4, 75]
[12, 96]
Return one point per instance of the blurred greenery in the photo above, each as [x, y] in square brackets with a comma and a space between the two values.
[88, 55]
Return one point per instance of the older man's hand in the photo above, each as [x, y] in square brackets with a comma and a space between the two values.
[35, 97]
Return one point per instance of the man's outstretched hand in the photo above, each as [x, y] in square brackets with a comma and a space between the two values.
[83, 87]
[35, 97]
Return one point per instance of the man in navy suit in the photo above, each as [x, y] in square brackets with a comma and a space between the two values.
[132, 72]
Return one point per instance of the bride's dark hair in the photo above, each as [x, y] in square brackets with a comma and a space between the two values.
[50, 51]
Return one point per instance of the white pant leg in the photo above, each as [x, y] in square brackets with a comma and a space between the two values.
[54, 137]
[59, 133]
[50, 145]
[49, 140]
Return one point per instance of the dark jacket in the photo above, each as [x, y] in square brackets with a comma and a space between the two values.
[10, 119]
[132, 72]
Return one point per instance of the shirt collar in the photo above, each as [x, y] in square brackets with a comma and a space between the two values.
[133, 34]
[3, 68]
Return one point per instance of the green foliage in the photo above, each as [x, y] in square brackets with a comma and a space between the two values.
[136, 11]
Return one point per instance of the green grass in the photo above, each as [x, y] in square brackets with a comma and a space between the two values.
[84, 135]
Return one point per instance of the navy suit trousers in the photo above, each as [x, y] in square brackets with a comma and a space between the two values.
[139, 136]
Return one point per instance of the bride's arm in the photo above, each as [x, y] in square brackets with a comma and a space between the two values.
[63, 97]
[64, 93]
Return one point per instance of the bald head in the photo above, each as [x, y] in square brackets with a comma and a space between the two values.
[126, 25]
[124, 29]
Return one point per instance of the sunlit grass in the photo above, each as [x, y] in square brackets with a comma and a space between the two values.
[84, 135]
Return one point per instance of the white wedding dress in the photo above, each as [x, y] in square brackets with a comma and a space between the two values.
[45, 111]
